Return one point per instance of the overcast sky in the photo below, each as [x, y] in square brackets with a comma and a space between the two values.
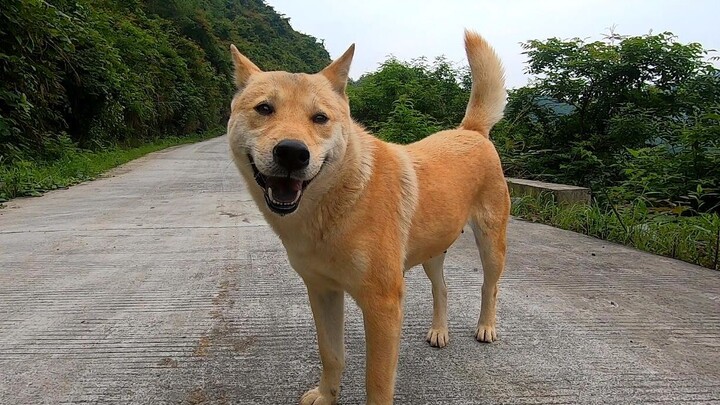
[409, 29]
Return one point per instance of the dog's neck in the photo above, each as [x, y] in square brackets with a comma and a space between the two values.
[354, 172]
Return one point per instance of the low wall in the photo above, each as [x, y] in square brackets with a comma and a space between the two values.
[562, 193]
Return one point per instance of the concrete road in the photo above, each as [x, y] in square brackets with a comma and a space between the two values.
[161, 284]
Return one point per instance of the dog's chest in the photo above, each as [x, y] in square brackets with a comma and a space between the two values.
[325, 261]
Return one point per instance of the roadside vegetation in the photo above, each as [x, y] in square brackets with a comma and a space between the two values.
[694, 238]
[636, 119]
[89, 84]
[32, 178]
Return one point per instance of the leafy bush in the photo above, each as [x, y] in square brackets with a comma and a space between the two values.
[637, 116]
[100, 73]
[405, 124]
[426, 95]
[682, 172]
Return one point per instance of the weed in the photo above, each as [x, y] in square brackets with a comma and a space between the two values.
[694, 239]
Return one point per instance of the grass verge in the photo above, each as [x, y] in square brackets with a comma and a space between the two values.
[25, 178]
[694, 239]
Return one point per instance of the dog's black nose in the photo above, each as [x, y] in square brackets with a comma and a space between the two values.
[291, 154]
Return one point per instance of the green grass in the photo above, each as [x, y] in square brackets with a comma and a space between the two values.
[694, 239]
[25, 178]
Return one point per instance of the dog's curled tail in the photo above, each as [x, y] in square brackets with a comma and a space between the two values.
[488, 96]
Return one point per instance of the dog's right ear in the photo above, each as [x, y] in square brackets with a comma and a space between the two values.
[244, 68]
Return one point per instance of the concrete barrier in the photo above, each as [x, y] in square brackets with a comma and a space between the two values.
[562, 193]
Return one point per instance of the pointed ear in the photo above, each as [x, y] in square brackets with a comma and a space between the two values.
[338, 71]
[244, 68]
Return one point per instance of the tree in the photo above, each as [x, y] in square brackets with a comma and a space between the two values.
[432, 95]
[594, 108]
[92, 73]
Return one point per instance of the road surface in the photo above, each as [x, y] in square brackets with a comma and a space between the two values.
[161, 284]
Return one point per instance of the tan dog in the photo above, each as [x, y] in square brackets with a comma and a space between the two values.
[354, 212]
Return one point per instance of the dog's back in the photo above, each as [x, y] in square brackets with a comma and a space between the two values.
[458, 171]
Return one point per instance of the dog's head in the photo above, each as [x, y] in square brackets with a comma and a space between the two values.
[285, 129]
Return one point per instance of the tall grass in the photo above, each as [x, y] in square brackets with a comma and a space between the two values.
[694, 239]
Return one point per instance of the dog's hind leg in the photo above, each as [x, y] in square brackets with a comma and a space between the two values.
[489, 229]
[438, 334]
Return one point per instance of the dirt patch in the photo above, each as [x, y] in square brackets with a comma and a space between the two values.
[168, 362]
[240, 345]
[197, 396]
[223, 334]
[200, 396]
[203, 347]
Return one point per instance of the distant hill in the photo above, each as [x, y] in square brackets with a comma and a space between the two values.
[253, 26]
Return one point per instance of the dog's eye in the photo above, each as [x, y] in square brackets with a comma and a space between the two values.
[320, 118]
[264, 109]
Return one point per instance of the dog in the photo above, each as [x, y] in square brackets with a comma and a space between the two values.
[354, 212]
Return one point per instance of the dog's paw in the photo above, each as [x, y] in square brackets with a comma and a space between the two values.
[438, 337]
[486, 333]
[315, 397]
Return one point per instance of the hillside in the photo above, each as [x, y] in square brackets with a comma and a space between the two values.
[99, 73]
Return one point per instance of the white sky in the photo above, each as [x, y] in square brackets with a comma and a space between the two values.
[409, 29]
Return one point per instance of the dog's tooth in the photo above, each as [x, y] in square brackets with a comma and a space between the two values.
[270, 196]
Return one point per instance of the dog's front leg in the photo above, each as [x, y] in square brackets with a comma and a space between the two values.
[327, 307]
[381, 305]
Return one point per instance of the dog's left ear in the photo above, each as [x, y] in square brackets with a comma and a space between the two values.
[244, 68]
[338, 71]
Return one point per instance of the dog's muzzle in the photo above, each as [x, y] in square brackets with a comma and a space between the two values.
[282, 194]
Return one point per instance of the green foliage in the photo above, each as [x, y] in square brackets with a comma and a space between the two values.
[403, 102]
[255, 28]
[635, 115]
[94, 74]
[692, 239]
[406, 124]
[683, 171]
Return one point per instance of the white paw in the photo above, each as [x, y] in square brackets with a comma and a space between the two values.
[486, 333]
[315, 397]
[438, 337]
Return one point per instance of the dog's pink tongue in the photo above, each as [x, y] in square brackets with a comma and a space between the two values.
[284, 189]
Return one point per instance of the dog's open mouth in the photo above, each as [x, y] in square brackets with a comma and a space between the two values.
[282, 194]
